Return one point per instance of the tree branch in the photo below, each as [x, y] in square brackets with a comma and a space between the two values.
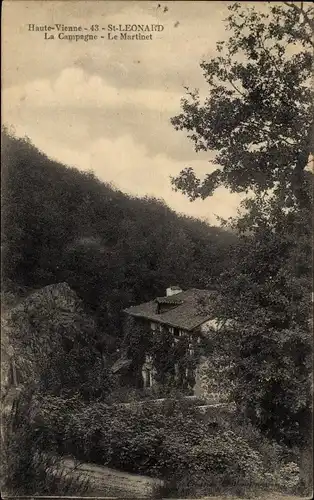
[301, 11]
[235, 88]
[298, 172]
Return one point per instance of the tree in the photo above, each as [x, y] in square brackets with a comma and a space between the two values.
[258, 117]
[267, 348]
[62, 225]
[267, 295]
[258, 121]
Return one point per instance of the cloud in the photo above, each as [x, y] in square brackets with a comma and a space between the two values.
[129, 167]
[53, 114]
[74, 88]
[106, 106]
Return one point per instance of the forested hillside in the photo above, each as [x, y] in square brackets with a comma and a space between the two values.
[62, 225]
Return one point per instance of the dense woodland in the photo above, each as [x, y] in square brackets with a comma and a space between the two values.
[62, 225]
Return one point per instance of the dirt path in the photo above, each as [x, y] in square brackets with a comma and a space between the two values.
[109, 482]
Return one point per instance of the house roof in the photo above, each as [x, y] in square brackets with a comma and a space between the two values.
[187, 312]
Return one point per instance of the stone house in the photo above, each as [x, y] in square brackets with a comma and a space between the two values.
[184, 315]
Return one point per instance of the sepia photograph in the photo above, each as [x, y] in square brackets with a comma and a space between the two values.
[157, 250]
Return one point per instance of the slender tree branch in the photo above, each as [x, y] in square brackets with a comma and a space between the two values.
[309, 21]
[235, 88]
[298, 172]
[287, 142]
[267, 52]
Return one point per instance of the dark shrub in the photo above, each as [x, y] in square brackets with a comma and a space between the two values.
[27, 467]
[165, 440]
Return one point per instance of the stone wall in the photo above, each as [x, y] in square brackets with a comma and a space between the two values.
[207, 386]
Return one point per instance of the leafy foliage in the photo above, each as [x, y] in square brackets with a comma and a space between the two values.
[56, 346]
[167, 440]
[268, 345]
[258, 117]
[172, 360]
[258, 120]
[27, 468]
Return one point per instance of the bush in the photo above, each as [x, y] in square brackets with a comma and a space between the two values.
[27, 467]
[167, 440]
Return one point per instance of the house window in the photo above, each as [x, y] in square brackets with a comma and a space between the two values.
[160, 328]
[153, 326]
[171, 329]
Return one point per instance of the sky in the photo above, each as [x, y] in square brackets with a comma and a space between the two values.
[105, 105]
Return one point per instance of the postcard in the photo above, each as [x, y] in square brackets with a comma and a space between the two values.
[157, 166]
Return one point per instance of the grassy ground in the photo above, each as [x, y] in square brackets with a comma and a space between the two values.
[106, 482]
[267, 496]
[109, 482]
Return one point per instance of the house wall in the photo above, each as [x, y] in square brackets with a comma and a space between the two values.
[204, 387]
[209, 375]
[148, 372]
[210, 379]
[214, 324]
[173, 290]
[210, 324]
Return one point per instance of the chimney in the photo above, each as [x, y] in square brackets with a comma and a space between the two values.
[173, 290]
